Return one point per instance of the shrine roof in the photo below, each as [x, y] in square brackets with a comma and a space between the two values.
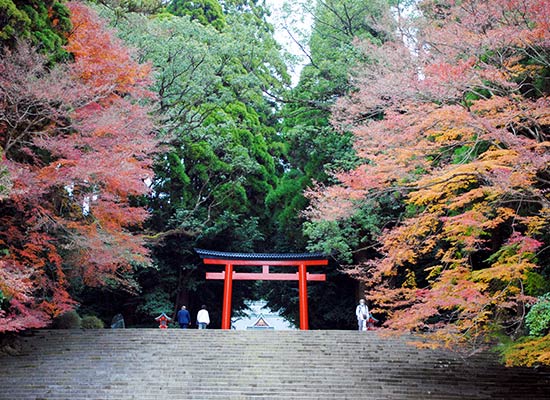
[221, 255]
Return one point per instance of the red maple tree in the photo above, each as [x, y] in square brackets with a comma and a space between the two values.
[457, 126]
[77, 142]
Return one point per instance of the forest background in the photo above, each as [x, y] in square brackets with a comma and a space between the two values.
[413, 150]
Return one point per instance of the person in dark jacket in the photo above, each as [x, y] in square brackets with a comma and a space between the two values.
[184, 318]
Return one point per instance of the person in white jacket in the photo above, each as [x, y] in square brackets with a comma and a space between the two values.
[363, 315]
[203, 319]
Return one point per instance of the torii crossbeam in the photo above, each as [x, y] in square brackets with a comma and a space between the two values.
[264, 260]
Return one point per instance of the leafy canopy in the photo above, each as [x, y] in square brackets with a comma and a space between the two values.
[456, 130]
[77, 141]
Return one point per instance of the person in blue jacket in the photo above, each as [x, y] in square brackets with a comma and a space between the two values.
[184, 318]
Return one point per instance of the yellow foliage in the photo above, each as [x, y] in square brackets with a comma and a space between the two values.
[494, 153]
[536, 223]
[517, 69]
[451, 134]
[433, 272]
[502, 215]
[534, 351]
[410, 280]
[470, 196]
[444, 185]
[452, 256]
[412, 239]
[514, 268]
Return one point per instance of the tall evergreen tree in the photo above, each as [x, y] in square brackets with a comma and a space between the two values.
[314, 150]
[221, 145]
[45, 24]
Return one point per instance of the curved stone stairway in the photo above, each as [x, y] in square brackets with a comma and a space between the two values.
[175, 364]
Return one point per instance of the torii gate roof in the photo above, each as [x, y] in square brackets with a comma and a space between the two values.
[221, 255]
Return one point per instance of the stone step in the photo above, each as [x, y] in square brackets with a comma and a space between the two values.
[152, 364]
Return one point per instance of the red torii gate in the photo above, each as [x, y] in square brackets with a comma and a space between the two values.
[264, 260]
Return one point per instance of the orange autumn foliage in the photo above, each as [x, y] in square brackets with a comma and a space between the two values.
[101, 61]
[458, 128]
[78, 146]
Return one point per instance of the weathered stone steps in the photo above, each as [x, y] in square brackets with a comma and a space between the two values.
[176, 364]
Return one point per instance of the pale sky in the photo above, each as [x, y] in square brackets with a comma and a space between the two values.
[300, 26]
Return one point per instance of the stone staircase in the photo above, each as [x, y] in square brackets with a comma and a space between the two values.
[211, 364]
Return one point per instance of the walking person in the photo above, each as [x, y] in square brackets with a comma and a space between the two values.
[203, 319]
[184, 318]
[363, 315]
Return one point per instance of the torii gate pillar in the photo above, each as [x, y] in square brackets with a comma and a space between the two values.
[265, 260]
[302, 292]
[227, 296]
